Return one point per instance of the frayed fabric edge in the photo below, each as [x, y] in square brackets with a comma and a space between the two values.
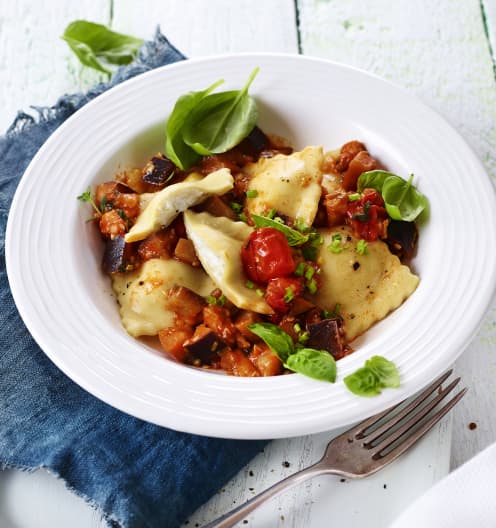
[111, 520]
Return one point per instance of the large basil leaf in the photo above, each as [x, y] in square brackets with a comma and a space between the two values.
[220, 121]
[401, 198]
[175, 147]
[403, 201]
[317, 364]
[97, 47]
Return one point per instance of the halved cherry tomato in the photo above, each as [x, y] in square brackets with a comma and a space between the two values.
[367, 216]
[281, 292]
[266, 255]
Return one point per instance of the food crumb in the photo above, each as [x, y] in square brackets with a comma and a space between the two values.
[282, 517]
[342, 480]
[385, 486]
[251, 489]
[245, 521]
[286, 464]
[250, 473]
[472, 426]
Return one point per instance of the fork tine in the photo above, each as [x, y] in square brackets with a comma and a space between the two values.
[416, 413]
[359, 430]
[417, 435]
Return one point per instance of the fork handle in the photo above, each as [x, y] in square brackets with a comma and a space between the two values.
[237, 514]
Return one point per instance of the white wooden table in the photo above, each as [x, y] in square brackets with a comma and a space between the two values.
[441, 51]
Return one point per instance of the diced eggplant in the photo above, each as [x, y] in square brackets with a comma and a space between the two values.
[204, 345]
[402, 239]
[258, 140]
[114, 254]
[158, 170]
[326, 335]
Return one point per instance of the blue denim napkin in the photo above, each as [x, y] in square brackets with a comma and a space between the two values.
[137, 474]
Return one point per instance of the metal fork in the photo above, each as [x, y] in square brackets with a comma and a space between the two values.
[365, 448]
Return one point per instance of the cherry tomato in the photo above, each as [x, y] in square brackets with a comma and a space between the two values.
[266, 255]
[367, 216]
[281, 291]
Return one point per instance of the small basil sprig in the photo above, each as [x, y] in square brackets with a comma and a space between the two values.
[220, 121]
[401, 198]
[98, 47]
[378, 373]
[317, 364]
[295, 238]
[175, 147]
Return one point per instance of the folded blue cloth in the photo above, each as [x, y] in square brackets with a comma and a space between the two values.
[137, 474]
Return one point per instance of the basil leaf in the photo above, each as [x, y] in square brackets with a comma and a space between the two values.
[403, 201]
[377, 373]
[295, 238]
[221, 121]
[275, 338]
[175, 147]
[372, 180]
[385, 371]
[97, 47]
[317, 364]
[401, 198]
[363, 382]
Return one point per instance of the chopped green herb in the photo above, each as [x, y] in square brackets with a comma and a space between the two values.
[336, 245]
[301, 226]
[363, 216]
[300, 269]
[221, 301]
[86, 197]
[250, 284]
[354, 197]
[309, 273]
[288, 295]
[303, 337]
[297, 328]
[312, 286]
[236, 207]
[243, 217]
[311, 248]
[272, 213]
[211, 299]
[259, 292]
[252, 193]
[326, 314]
[362, 247]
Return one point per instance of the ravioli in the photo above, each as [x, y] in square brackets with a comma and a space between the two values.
[165, 205]
[367, 287]
[142, 294]
[218, 242]
[289, 184]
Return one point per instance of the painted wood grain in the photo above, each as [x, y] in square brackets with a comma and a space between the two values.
[36, 66]
[200, 28]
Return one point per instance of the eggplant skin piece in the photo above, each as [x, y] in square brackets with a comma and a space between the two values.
[402, 239]
[114, 255]
[205, 347]
[159, 170]
[326, 335]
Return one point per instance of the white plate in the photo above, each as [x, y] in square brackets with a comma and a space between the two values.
[53, 256]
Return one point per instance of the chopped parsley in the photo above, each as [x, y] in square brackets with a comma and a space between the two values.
[253, 193]
[362, 247]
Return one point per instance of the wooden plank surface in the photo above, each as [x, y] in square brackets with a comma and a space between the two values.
[440, 51]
